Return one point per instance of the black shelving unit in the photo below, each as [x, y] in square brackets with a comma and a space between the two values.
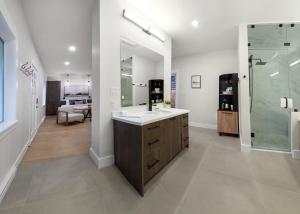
[228, 116]
[228, 92]
[156, 91]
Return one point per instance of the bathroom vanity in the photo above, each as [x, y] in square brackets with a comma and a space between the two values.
[146, 142]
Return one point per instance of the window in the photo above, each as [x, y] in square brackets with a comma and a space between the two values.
[1, 80]
[8, 77]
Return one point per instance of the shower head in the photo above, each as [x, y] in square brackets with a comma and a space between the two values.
[258, 61]
[261, 63]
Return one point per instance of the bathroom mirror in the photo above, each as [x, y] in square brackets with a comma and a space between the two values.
[138, 66]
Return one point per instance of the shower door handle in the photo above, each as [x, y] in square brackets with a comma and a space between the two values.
[286, 103]
[290, 103]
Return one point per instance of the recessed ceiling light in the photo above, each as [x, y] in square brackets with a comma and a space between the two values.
[195, 23]
[72, 48]
[67, 63]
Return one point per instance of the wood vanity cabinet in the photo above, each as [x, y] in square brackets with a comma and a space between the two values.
[142, 151]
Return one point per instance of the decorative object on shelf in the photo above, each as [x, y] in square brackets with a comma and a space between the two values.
[156, 91]
[196, 81]
[167, 104]
[142, 85]
[27, 68]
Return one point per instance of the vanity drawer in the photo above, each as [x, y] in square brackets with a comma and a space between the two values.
[151, 132]
[152, 164]
[151, 145]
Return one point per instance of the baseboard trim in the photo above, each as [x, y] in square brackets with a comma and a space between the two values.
[296, 154]
[10, 175]
[37, 129]
[101, 162]
[6, 182]
[245, 147]
[203, 125]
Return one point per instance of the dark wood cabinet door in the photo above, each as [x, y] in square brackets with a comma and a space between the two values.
[166, 145]
[52, 97]
[185, 130]
[174, 135]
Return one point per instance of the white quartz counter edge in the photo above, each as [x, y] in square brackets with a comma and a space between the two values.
[151, 118]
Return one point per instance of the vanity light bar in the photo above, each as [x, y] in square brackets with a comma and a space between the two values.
[157, 35]
[139, 23]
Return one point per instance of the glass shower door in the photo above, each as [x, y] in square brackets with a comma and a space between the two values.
[269, 82]
[270, 122]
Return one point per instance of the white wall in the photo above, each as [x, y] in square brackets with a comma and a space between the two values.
[96, 80]
[13, 143]
[112, 27]
[143, 70]
[203, 103]
[160, 70]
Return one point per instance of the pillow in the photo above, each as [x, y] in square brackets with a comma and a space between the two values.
[78, 102]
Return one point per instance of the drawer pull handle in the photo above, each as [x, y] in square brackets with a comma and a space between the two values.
[174, 118]
[186, 125]
[154, 127]
[154, 142]
[185, 117]
[153, 164]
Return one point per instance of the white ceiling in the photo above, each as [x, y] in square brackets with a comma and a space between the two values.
[219, 20]
[57, 24]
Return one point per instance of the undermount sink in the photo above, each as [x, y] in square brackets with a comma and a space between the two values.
[145, 113]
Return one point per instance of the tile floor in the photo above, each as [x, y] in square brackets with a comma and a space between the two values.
[212, 177]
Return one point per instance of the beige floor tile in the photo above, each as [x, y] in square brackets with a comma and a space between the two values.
[273, 169]
[213, 193]
[211, 177]
[279, 201]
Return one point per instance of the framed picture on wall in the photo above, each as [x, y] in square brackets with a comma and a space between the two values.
[196, 81]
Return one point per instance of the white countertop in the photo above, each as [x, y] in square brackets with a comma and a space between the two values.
[146, 117]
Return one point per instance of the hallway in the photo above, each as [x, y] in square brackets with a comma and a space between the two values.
[58, 141]
[213, 176]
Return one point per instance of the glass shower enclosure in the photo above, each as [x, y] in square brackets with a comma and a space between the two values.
[126, 82]
[274, 77]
